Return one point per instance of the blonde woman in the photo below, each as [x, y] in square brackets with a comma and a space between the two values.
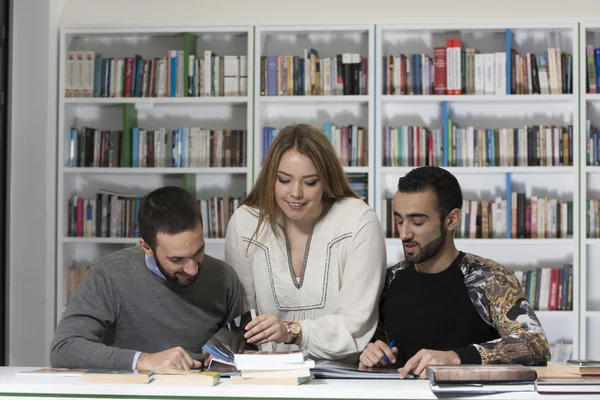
[309, 253]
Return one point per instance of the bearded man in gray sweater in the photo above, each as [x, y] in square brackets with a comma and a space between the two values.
[154, 306]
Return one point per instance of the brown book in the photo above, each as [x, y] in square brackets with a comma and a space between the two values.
[574, 368]
[238, 380]
[116, 376]
[186, 378]
[480, 373]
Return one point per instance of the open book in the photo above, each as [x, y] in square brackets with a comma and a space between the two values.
[230, 340]
[333, 369]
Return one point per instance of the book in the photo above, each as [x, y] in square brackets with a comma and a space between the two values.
[229, 340]
[269, 357]
[55, 372]
[480, 373]
[585, 368]
[325, 369]
[238, 380]
[116, 376]
[482, 387]
[186, 378]
[568, 383]
[279, 373]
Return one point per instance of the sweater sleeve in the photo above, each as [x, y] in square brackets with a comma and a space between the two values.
[349, 330]
[235, 256]
[522, 338]
[90, 316]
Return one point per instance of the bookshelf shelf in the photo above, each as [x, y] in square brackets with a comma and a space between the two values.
[592, 314]
[372, 111]
[555, 314]
[488, 170]
[360, 99]
[536, 98]
[154, 101]
[340, 96]
[590, 249]
[155, 171]
[121, 240]
[500, 242]
[153, 127]
[591, 97]
[438, 122]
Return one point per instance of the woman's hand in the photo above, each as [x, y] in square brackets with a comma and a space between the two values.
[266, 328]
[373, 355]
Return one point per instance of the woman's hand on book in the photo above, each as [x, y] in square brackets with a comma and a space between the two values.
[373, 355]
[175, 358]
[266, 328]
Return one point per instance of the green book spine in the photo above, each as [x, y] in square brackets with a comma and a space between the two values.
[189, 48]
[129, 122]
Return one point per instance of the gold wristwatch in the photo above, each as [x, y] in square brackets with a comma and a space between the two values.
[294, 329]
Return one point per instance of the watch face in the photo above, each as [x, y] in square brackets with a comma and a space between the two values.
[295, 329]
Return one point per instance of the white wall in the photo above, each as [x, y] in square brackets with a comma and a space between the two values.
[33, 114]
[32, 118]
[197, 12]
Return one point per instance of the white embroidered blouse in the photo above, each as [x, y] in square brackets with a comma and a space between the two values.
[335, 299]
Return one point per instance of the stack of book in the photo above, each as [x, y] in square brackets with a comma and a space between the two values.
[574, 376]
[273, 368]
[481, 378]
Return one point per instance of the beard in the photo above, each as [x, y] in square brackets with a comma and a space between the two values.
[173, 278]
[430, 250]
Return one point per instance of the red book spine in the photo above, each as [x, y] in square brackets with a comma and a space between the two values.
[128, 86]
[439, 70]
[553, 289]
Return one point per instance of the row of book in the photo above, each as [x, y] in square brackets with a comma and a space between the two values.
[457, 71]
[310, 75]
[561, 351]
[531, 218]
[88, 74]
[548, 288]
[350, 143]
[359, 182]
[592, 144]
[592, 58]
[534, 145]
[188, 147]
[592, 218]
[112, 214]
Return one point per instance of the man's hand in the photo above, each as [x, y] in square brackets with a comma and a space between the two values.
[266, 328]
[207, 358]
[175, 358]
[373, 354]
[417, 364]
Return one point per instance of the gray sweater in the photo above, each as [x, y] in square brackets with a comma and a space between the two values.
[121, 307]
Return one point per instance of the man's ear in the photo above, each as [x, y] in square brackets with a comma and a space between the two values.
[146, 247]
[453, 219]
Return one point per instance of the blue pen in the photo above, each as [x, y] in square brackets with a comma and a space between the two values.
[392, 343]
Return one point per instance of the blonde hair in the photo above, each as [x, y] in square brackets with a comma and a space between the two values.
[312, 143]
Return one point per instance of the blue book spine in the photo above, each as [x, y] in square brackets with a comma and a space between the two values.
[173, 75]
[597, 60]
[272, 76]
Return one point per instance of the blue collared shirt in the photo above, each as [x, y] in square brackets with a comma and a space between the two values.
[151, 264]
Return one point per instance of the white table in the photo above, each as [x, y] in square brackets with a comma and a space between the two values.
[22, 386]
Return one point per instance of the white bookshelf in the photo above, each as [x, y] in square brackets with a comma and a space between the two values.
[590, 189]
[107, 113]
[340, 110]
[490, 111]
